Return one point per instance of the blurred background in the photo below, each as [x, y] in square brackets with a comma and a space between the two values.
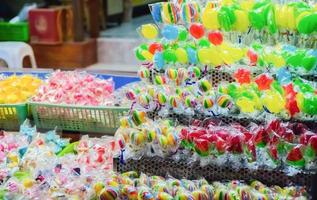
[69, 34]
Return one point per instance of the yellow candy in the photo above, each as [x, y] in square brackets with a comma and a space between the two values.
[247, 4]
[242, 23]
[209, 56]
[181, 55]
[27, 182]
[273, 101]
[210, 19]
[149, 31]
[231, 54]
[276, 60]
[147, 55]
[227, 2]
[281, 16]
[246, 105]
[300, 100]
[17, 89]
[291, 23]
[98, 187]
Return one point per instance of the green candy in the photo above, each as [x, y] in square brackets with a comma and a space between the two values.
[259, 16]
[307, 24]
[183, 34]
[309, 105]
[204, 42]
[277, 87]
[309, 62]
[226, 18]
[169, 55]
[272, 27]
[139, 50]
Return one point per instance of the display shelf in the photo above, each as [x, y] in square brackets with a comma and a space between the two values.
[168, 166]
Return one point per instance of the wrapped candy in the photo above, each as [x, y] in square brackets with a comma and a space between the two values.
[18, 89]
[73, 87]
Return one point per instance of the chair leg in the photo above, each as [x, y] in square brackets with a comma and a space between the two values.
[33, 62]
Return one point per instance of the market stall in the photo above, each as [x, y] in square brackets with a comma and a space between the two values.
[226, 109]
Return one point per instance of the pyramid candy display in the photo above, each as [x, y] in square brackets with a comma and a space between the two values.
[205, 64]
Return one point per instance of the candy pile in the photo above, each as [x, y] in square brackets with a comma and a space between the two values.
[244, 20]
[273, 145]
[75, 88]
[45, 166]
[131, 186]
[18, 89]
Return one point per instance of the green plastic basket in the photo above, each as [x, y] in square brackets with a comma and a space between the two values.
[14, 32]
[95, 119]
[12, 116]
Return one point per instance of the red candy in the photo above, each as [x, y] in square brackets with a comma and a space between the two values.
[155, 47]
[253, 57]
[261, 137]
[295, 154]
[242, 76]
[215, 38]
[313, 143]
[264, 81]
[273, 152]
[305, 137]
[235, 144]
[197, 30]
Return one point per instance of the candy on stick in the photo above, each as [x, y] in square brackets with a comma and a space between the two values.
[190, 12]
[170, 32]
[197, 30]
[148, 31]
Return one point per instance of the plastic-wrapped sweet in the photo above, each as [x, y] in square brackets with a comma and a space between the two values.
[36, 170]
[18, 89]
[79, 88]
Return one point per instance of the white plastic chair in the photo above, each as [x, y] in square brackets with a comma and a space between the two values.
[13, 54]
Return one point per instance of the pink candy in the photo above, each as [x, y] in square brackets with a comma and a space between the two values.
[78, 88]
